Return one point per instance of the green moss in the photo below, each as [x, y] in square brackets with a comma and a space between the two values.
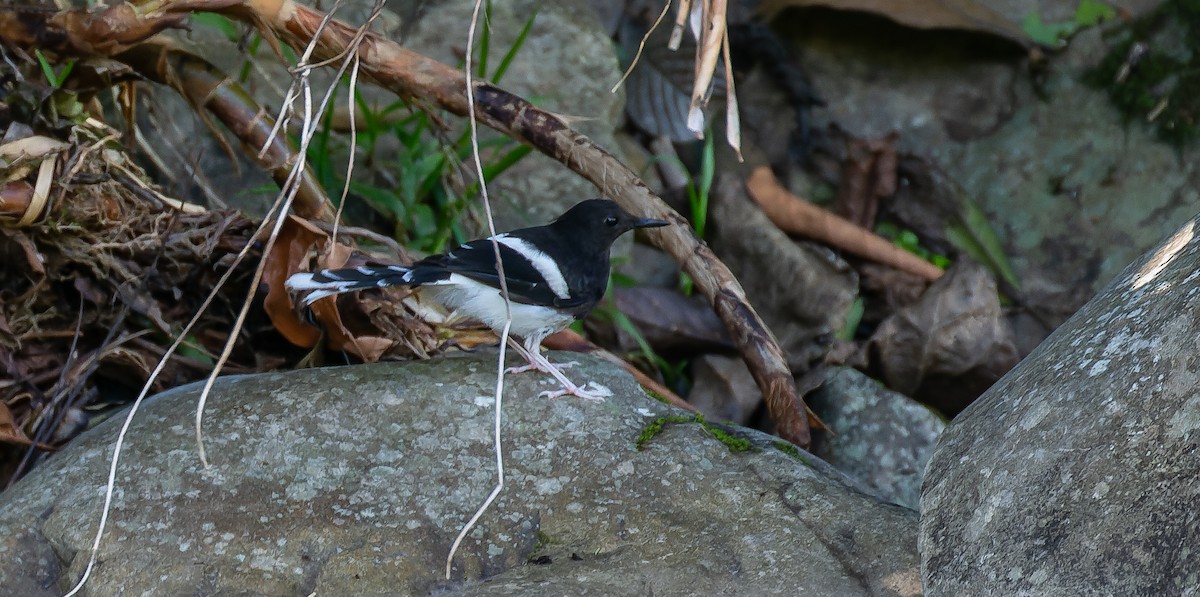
[1152, 71]
[731, 441]
[656, 396]
[542, 541]
[735, 444]
[657, 425]
[791, 450]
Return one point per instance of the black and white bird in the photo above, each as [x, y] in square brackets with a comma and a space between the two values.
[555, 274]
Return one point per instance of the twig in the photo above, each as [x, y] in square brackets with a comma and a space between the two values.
[642, 46]
[795, 215]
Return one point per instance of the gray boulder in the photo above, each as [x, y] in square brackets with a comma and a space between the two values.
[882, 438]
[355, 481]
[1076, 474]
[1073, 188]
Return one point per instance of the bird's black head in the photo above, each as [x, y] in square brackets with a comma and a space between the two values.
[603, 220]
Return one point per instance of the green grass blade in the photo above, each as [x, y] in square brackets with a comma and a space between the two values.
[485, 41]
[976, 237]
[506, 61]
[47, 70]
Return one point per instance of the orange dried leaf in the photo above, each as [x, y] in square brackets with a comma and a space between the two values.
[10, 433]
[369, 348]
[296, 238]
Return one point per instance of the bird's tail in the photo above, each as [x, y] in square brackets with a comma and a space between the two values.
[328, 282]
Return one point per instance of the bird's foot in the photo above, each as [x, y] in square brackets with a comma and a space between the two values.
[596, 392]
[537, 362]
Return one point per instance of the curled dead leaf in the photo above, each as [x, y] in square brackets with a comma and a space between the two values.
[950, 345]
[10, 433]
[296, 238]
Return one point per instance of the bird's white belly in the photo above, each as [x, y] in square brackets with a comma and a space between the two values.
[469, 298]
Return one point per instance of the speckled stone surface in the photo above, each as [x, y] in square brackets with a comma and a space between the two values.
[1074, 189]
[883, 438]
[355, 481]
[1078, 473]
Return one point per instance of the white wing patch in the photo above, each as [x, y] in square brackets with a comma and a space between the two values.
[305, 281]
[541, 262]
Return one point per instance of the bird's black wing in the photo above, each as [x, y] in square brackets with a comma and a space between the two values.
[477, 260]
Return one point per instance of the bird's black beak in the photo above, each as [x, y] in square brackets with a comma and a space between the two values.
[649, 223]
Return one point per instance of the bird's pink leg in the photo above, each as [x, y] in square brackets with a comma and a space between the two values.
[537, 362]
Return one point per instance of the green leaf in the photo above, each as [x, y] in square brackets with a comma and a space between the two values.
[1090, 13]
[424, 222]
[67, 104]
[506, 161]
[47, 70]
[686, 285]
[699, 196]
[975, 237]
[708, 165]
[622, 280]
[397, 105]
[319, 150]
[887, 230]
[66, 71]
[384, 200]
[218, 22]
[853, 319]
[251, 54]
[427, 172]
[512, 52]
[623, 322]
[485, 41]
[1047, 34]
[191, 348]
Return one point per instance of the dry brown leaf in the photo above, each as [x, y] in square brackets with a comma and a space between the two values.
[868, 177]
[10, 433]
[954, 334]
[15, 197]
[33, 260]
[367, 348]
[363, 340]
[967, 15]
[31, 148]
[712, 34]
[296, 238]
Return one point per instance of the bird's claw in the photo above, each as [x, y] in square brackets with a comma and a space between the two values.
[598, 392]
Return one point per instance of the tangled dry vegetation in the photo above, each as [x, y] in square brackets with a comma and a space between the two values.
[103, 273]
[98, 283]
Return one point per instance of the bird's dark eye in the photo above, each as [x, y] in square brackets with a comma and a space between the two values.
[610, 221]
